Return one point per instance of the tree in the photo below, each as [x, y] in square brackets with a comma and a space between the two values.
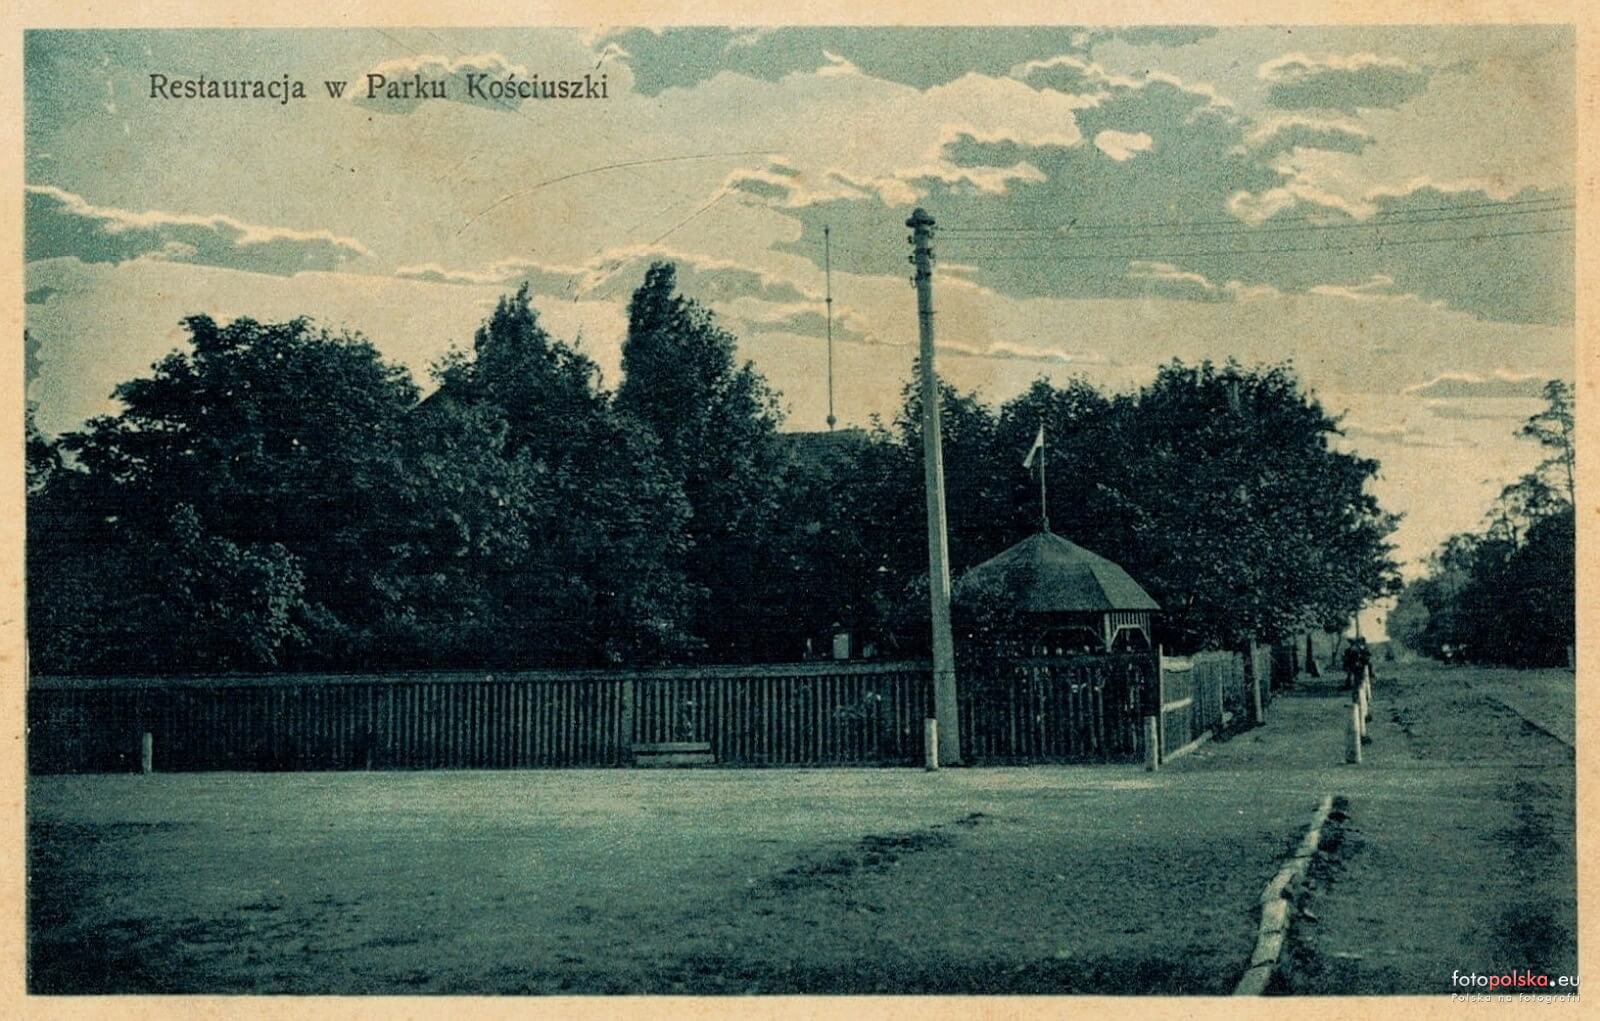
[1553, 429]
[715, 424]
[1506, 594]
[1216, 487]
[271, 435]
[588, 572]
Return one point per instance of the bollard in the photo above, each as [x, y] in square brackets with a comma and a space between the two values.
[1152, 745]
[1352, 742]
[147, 753]
[1361, 703]
[930, 744]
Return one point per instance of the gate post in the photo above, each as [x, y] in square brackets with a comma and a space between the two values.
[1161, 706]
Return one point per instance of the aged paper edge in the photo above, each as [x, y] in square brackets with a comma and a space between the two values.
[25, 14]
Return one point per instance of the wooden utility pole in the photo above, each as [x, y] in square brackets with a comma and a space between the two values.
[945, 708]
[827, 276]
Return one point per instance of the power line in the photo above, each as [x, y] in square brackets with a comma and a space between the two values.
[1205, 253]
[1062, 235]
[1229, 221]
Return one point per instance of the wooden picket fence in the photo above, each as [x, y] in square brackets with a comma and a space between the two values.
[1206, 693]
[1056, 709]
[1068, 709]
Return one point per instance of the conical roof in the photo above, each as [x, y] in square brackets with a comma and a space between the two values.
[1049, 574]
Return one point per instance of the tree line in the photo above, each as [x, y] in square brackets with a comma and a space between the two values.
[1506, 593]
[278, 496]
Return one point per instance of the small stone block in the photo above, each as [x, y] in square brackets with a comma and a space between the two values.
[1254, 982]
[1268, 947]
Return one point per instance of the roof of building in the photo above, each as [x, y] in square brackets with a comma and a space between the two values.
[1049, 574]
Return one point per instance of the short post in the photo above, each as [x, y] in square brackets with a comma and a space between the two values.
[1259, 716]
[930, 744]
[1366, 693]
[147, 753]
[1352, 736]
[1152, 745]
[1161, 701]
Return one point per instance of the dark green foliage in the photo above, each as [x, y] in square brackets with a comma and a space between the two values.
[1506, 594]
[276, 497]
[715, 422]
[1213, 486]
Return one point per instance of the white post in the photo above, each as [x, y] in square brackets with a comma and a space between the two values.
[1260, 716]
[930, 744]
[147, 753]
[1152, 745]
[1352, 742]
[1161, 704]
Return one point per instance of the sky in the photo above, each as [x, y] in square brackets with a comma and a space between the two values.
[1388, 208]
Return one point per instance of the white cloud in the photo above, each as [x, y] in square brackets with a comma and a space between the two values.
[60, 223]
[1123, 145]
[1293, 65]
[1500, 384]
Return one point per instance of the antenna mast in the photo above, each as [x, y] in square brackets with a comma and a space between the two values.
[827, 275]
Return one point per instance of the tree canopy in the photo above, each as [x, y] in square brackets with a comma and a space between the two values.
[277, 496]
[1506, 593]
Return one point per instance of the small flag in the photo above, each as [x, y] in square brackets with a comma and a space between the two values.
[1038, 445]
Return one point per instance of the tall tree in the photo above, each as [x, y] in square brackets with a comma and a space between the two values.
[593, 573]
[271, 434]
[1553, 428]
[1507, 593]
[715, 421]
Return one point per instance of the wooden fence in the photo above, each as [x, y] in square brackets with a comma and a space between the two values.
[1056, 709]
[1205, 693]
[1070, 709]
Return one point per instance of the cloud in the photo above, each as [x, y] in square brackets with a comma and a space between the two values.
[1006, 351]
[1484, 410]
[62, 224]
[1377, 287]
[805, 320]
[1470, 385]
[1164, 35]
[40, 295]
[918, 56]
[762, 186]
[1402, 436]
[1163, 279]
[1285, 134]
[616, 274]
[394, 92]
[1123, 145]
[1296, 81]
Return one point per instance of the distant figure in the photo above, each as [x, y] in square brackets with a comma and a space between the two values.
[1352, 666]
[1363, 658]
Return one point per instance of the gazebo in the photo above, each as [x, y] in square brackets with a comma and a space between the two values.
[1069, 599]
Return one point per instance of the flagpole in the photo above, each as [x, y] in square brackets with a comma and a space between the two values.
[1044, 506]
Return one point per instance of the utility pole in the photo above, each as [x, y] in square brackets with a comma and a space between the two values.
[827, 275]
[945, 708]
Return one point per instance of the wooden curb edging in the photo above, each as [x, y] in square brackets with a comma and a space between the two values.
[1275, 917]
